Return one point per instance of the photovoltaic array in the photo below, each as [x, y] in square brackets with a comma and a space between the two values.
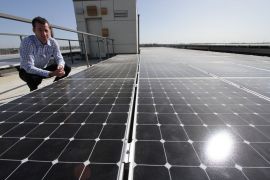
[73, 129]
[167, 114]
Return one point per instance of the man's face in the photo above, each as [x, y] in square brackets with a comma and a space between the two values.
[42, 31]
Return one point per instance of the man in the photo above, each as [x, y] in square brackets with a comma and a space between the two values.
[35, 54]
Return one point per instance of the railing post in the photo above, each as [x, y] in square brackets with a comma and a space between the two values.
[113, 46]
[21, 38]
[99, 49]
[107, 48]
[81, 47]
[70, 51]
[86, 54]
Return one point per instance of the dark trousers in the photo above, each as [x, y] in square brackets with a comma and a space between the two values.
[34, 80]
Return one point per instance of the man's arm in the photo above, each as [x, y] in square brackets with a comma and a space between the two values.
[58, 55]
[28, 60]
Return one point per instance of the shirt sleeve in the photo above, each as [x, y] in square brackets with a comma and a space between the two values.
[28, 60]
[57, 54]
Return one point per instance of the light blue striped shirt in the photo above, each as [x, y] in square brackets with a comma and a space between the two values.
[34, 55]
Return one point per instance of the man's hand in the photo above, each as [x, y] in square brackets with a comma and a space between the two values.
[59, 72]
[60, 67]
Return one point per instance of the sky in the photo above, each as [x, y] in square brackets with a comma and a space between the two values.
[57, 12]
[204, 21]
[161, 21]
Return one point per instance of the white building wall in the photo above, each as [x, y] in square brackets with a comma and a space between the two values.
[123, 30]
[110, 5]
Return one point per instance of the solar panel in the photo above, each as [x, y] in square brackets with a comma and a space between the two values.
[197, 126]
[259, 84]
[75, 128]
[120, 67]
[174, 137]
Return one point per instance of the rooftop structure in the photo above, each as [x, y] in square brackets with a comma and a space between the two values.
[115, 19]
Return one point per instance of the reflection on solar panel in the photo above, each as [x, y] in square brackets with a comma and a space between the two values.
[198, 128]
[191, 116]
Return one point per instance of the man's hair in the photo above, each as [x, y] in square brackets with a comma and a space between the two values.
[40, 20]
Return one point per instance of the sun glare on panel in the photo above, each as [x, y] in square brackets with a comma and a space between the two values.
[220, 146]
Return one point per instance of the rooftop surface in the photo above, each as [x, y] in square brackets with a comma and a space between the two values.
[166, 114]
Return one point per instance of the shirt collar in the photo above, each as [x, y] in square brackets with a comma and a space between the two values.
[40, 44]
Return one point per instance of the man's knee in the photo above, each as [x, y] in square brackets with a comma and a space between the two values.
[67, 69]
[32, 80]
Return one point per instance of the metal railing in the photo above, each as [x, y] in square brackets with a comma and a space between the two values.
[83, 44]
[21, 36]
